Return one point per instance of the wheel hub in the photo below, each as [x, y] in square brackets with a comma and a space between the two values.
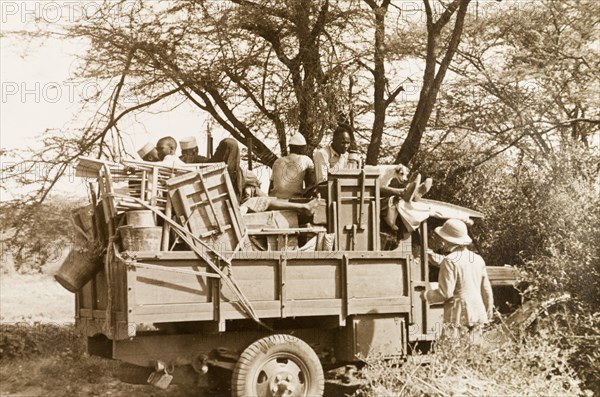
[282, 377]
[283, 384]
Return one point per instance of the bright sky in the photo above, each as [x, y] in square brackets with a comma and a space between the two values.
[36, 93]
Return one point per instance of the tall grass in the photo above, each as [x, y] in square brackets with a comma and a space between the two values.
[528, 367]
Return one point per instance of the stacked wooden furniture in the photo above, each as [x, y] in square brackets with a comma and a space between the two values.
[205, 203]
[118, 182]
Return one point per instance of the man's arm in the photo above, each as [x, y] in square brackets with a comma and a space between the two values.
[321, 166]
[446, 284]
[487, 295]
[310, 177]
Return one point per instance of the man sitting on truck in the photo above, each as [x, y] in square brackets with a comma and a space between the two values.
[335, 156]
[294, 172]
[166, 148]
[247, 186]
[148, 152]
[189, 151]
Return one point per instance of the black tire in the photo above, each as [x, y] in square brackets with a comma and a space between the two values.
[280, 361]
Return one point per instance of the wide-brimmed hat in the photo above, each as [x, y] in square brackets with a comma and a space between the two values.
[297, 140]
[147, 148]
[189, 142]
[454, 231]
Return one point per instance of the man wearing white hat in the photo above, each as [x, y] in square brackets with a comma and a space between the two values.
[463, 284]
[294, 172]
[148, 152]
[189, 151]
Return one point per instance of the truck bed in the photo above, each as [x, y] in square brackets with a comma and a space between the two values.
[146, 290]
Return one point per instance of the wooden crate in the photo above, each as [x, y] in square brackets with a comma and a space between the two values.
[205, 203]
[354, 231]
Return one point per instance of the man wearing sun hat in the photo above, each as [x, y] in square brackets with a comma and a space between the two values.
[148, 152]
[189, 151]
[463, 284]
[294, 172]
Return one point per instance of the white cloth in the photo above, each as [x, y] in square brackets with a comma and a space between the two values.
[464, 288]
[411, 213]
[171, 160]
[288, 175]
[327, 160]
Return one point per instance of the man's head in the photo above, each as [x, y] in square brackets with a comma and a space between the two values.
[342, 138]
[148, 152]
[297, 144]
[453, 233]
[166, 146]
[189, 149]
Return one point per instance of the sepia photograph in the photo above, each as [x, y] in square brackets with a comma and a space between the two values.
[299, 198]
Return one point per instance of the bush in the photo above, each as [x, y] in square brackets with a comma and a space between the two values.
[541, 215]
[30, 340]
[531, 367]
[34, 234]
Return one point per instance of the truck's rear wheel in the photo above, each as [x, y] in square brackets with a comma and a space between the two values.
[278, 365]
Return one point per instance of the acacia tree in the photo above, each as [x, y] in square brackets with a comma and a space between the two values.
[257, 67]
[532, 85]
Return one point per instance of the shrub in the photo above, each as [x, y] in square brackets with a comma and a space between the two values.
[34, 234]
[542, 215]
[531, 367]
[30, 340]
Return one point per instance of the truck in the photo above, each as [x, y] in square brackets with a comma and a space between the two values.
[187, 288]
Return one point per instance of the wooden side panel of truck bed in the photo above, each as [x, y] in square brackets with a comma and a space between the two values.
[279, 285]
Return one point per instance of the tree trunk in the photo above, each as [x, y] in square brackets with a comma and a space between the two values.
[379, 103]
[431, 85]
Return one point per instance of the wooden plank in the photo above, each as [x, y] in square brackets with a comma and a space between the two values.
[236, 227]
[344, 285]
[316, 307]
[164, 243]
[373, 305]
[503, 275]
[86, 313]
[312, 279]
[173, 269]
[176, 289]
[232, 311]
[309, 257]
[216, 299]
[210, 203]
[298, 230]
[258, 281]
[375, 280]
[100, 314]
[282, 283]
[143, 185]
[199, 312]
[154, 187]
